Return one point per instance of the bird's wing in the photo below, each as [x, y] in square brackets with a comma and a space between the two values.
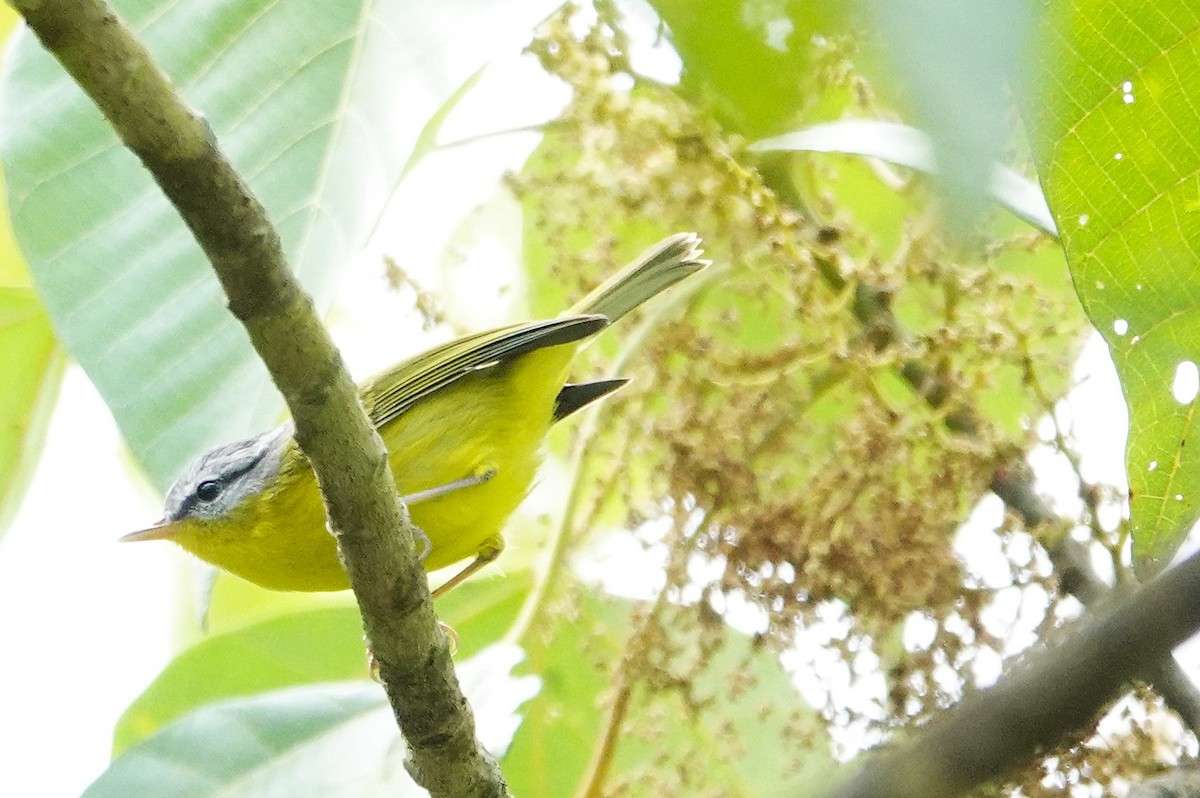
[388, 395]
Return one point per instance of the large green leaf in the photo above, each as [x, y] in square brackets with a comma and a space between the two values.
[324, 740]
[320, 105]
[318, 645]
[743, 740]
[301, 648]
[31, 367]
[552, 748]
[1114, 134]
[333, 739]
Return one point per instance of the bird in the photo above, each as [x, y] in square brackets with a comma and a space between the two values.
[463, 423]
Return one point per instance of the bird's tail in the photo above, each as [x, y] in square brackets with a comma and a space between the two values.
[655, 270]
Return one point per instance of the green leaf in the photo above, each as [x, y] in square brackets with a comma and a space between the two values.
[33, 369]
[316, 645]
[744, 740]
[553, 746]
[909, 147]
[301, 648]
[1113, 134]
[13, 272]
[320, 106]
[956, 63]
[318, 740]
[324, 740]
[735, 54]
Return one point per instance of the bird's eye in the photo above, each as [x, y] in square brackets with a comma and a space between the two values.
[208, 490]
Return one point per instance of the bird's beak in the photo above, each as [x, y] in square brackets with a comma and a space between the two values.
[163, 530]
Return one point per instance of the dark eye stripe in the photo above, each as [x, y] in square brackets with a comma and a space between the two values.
[192, 499]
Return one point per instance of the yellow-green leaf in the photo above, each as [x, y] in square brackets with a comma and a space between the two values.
[1114, 135]
[31, 368]
[300, 648]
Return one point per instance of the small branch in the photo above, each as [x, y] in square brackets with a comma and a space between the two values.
[375, 538]
[1183, 782]
[602, 756]
[1078, 578]
[1058, 690]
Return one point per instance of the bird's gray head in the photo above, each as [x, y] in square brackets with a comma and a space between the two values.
[221, 479]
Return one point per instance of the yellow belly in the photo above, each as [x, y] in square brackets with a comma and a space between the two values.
[494, 420]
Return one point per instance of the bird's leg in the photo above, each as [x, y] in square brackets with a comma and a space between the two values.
[488, 551]
[441, 490]
[437, 492]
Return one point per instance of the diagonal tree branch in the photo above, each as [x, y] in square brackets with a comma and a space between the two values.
[1057, 691]
[376, 541]
[1077, 577]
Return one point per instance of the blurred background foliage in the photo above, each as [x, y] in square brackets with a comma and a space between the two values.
[786, 484]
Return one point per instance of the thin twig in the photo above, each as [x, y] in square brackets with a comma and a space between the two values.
[375, 539]
[603, 754]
